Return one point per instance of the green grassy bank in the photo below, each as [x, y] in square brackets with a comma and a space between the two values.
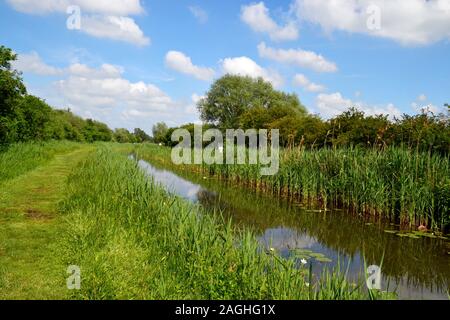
[30, 223]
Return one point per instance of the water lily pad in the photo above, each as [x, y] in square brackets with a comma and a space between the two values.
[391, 231]
[424, 234]
[309, 254]
[412, 236]
[401, 235]
[324, 259]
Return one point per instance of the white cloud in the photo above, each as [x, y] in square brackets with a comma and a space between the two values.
[112, 92]
[104, 94]
[247, 67]
[421, 105]
[101, 18]
[298, 57]
[422, 98]
[178, 61]
[412, 22]
[115, 28]
[258, 18]
[105, 71]
[302, 81]
[107, 7]
[329, 105]
[419, 108]
[200, 14]
[192, 108]
[32, 63]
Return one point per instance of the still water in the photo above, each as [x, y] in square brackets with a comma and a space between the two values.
[413, 268]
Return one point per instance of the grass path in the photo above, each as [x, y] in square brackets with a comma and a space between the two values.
[30, 228]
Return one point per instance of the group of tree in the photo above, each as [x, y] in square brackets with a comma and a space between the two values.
[24, 117]
[242, 102]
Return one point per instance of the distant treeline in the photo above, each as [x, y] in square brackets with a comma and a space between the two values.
[242, 102]
[24, 117]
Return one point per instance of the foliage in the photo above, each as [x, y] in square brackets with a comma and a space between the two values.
[141, 136]
[11, 88]
[122, 135]
[160, 131]
[232, 97]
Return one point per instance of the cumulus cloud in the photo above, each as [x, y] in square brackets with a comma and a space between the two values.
[258, 18]
[180, 62]
[412, 22]
[112, 92]
[104, 71]
[329, 105]
[101, 18]
[422, 105]
[108, 7]
[245, 66]
[32, 63]
[302, 81]
[103, 93]
[422, 98]
[297, 57]
[192, 108]
[114, 28]
[200, 14]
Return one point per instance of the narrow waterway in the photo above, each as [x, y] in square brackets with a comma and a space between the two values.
[415, 268]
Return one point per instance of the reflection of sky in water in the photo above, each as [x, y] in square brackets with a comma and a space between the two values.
[173, 183]
[284, 240]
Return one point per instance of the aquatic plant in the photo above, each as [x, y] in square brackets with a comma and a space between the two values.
[408, 187]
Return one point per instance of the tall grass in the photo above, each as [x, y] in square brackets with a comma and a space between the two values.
[133, 240]
[398, 184]
[20, 158]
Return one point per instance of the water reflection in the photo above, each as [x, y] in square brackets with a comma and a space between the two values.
[416, 268]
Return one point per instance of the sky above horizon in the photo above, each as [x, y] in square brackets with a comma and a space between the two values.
[132, 63]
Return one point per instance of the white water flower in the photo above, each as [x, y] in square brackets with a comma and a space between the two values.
[303, 261]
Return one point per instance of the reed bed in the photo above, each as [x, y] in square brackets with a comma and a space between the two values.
[20, 158]
[133, 240]
[397, 184]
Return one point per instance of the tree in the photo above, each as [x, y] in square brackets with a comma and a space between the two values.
[33, 115]
[141, 135]
[11, 88]
[232, 97]
[122, 135]
[159, 131]
[96, 131]
[352, 127]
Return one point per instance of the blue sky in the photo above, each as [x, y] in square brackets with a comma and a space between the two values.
[133, 63]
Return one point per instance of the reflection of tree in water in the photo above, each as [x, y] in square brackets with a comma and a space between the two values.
[418, 262]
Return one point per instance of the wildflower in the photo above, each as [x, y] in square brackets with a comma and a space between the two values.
[307, 284]
[303, 261]
[272, 249]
